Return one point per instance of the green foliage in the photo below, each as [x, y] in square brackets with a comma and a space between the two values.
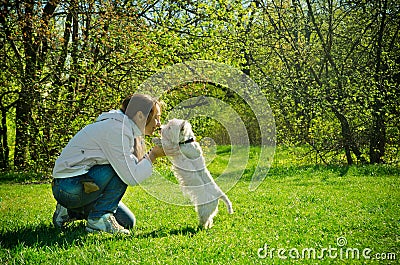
[329, 69]
[205, 125]
[23, 177]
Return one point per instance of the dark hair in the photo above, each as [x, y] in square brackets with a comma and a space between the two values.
[139, 102]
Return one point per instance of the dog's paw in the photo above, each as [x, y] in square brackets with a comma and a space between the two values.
[207, 224]
[157, 141]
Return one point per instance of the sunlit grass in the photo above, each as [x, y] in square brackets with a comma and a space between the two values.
[297, 206]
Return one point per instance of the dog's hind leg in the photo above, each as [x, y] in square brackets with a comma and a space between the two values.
[206, 213]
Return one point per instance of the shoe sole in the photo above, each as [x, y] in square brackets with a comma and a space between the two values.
[91, 230]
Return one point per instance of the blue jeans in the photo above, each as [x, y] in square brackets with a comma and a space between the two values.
[69, 193]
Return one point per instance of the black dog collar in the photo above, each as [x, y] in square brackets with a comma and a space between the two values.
[190, 140]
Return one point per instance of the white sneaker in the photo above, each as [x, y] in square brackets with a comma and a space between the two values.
[106, 223]
[61, 217]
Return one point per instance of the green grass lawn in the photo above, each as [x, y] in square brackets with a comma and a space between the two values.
[345, 214]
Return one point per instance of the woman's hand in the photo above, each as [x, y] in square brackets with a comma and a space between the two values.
[155, 153]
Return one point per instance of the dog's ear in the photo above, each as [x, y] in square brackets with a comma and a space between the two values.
[182, 126]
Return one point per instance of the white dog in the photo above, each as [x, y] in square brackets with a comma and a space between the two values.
[178, 141]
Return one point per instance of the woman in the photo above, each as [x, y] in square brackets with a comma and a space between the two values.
[94, 169]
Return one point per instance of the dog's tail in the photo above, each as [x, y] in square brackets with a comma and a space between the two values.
[228, 203]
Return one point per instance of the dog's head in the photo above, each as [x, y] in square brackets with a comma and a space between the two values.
[176, 131]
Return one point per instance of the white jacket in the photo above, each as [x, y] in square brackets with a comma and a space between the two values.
[109, 140]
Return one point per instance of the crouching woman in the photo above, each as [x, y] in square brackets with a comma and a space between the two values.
[94, 169]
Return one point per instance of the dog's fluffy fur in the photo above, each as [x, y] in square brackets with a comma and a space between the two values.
[190, 169]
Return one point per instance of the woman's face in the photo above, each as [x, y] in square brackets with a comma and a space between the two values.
[154, 122]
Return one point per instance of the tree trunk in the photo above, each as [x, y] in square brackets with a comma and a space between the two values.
[378, 129]
[3, 143]
[348, 140]
[34, 57]
[24, 105]
[377, 138]
[23, 116]
[346, 134]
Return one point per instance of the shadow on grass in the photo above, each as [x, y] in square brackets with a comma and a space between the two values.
[335, 170]
[47, 235]
[42, 235]
[163, 232]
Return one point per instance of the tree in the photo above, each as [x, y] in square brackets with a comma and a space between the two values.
[324, 48]
[63, 57]
[329, 68]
